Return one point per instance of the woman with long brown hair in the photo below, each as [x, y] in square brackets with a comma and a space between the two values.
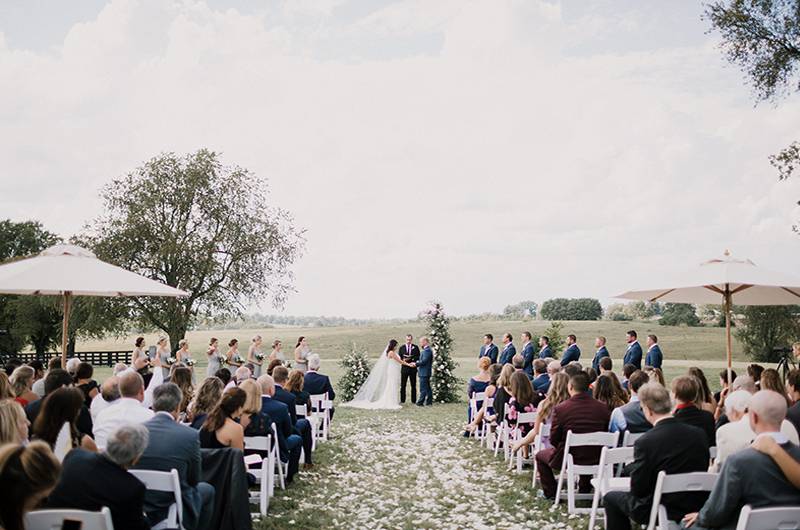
[28, 473]
[295, 385]
[182, 376]
[301, 352]
[221, 429]
[705, 398]
[556, 394]
[607, 393]
[208, 395]
[771, 380]
[59, 407]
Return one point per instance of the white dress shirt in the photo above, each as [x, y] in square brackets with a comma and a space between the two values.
[737, 435]
[122, 411]
[99, 404]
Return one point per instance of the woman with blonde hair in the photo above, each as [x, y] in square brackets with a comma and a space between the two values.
[28, 473]
[557, 394]
[655, 375]
[6, 390]
[184, 356]
[295, 385]
[208, 395]
[257, 423]
[255, 356]
[13, 423]
[21, 382]
[164, 355]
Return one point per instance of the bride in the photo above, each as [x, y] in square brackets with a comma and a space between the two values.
[381, 390]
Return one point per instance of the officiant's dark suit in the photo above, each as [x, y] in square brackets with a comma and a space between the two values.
[410, 354]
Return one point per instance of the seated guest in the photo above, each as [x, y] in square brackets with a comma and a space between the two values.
[655, 375]
[90, 481]
[6, 390]
[21, 382]
[13, 423]
[705, 399]
[272, 364]
[72, 366]
[743, 382]
[221, 428]
[789, 466]
[723, 382]
[207, 397]
[258, 422]
[60, 407]
[749, 476]
[487, 410]
[290, 444]
[109, 393]
[127, 409]
[606, 365]
[38, 386]
[685, 390]
[737, 434]
[224, 375]
[627, 370]
[558, 393]
[316, 383]
[602, 352]
[793, 390]
[630, 417]
[771, 380]
[301, 425]
[670, 446]
[541, 379]
[755, 371]
[175, 446]
[654, 356]
[55, 379]
[518, 362]
[85, 383]
[572, 368]
[182, 376]
[295, 385]
[28, 473]
[592, 374]
[479, 382]
[521, 401]
[607, 392]
[242, 373]
[572, 352]
[579, 414]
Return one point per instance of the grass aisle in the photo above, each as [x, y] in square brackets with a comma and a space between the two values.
[410, 469]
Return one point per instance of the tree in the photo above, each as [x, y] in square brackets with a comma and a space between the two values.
[26, 319]
[200, 226]
[572, 309]
[526, 309]
[444, 383]
[679, 315]
[554, 333]
[617, 312]
[766, 328]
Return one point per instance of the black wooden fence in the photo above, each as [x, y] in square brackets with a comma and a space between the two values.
[95, 358]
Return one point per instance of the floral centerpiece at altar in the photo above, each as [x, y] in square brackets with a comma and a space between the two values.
[356, 370]
[444, 382]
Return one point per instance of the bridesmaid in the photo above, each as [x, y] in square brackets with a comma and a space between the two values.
[212, 356]
[277, 353]
[162, 352]
[255, 356]
[139, 359]
[233, 353]
[301, 352]
[183, 356]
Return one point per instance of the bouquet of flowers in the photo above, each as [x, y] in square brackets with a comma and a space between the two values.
[171, 361]
[189, 362]
[222, 359]
[237, 359]
[259, 356]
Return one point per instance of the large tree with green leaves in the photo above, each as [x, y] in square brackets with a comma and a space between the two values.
[199, 225]
[767, 328]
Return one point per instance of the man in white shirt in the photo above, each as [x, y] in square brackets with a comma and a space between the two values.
[127, 409]
[109, 393]
[737, 434]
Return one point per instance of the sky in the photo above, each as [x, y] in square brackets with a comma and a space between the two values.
[478, 152]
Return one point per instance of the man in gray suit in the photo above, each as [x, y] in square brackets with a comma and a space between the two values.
[748, 476]
[177, 446]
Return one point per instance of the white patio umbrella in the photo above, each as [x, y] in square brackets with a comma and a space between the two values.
[67, 271]
[725, 281]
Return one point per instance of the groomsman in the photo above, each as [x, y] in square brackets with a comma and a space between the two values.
[509, 351]
[409, 352]
[633, 355]
[424, 367]
[600, 344]
[527, 353]
[654, 356]
[488, 349]
[572, 353]
[544, 345]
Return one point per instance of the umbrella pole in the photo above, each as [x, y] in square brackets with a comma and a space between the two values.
[727, 306]
[65, 329]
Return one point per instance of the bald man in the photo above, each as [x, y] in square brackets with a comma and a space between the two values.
[748, 476]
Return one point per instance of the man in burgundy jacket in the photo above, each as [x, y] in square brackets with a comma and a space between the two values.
[581, 413]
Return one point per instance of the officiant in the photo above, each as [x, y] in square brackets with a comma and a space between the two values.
[409, 352]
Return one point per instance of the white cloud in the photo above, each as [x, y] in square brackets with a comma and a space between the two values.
[509, 165]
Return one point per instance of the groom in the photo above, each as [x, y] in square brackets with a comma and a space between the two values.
[424, 366]
[409, 352]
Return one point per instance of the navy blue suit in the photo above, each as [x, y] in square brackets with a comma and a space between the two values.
[508, 353]
[654, 357]
[490, 352]
[527, 355]
[634, 355]
[424, 371]
[541, 383]
[289, 443]
[602, 352]
[315, 383]
[301, 426]
[545, 352]
[573, 353]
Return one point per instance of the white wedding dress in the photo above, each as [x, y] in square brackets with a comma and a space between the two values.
[381, 390]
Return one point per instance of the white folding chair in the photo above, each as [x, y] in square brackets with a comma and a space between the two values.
[165, 481]
[524, 418]
[54, 519]
[486, 434]
[321, 407]
[265, 477]
[262, 443]
[677, 483]
[630, 438]
[773, 518]
[544, 432]
[503, 431]
[712, 456]
[572, 471]
[605, 480]
[475, 403]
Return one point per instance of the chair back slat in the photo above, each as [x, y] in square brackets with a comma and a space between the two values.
[258, 443]
[526, 417]
[630, 438]
[680, 482]
[773, 518]
[608, 439]
[54, 519]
